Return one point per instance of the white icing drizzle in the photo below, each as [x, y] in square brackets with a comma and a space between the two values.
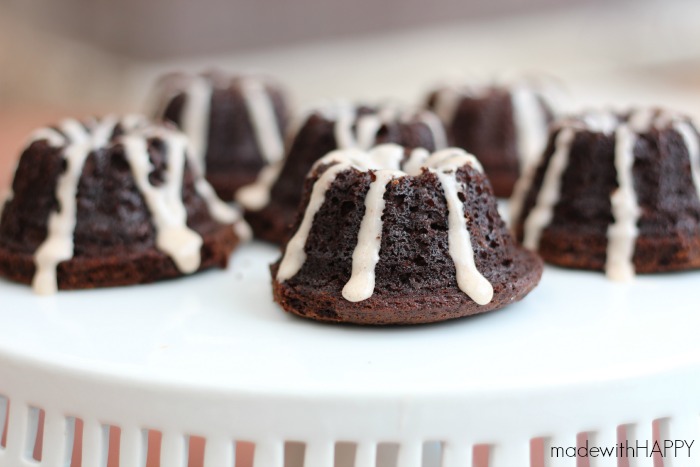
[445, 165]
[531, 139]
[367, 128]
[690, 137]
[131, 122]
[469, 279]
[222, 212]
[547, 198]
[346, 114]
[520, 189]
[164, 202]
[385, 157]
[58, 245]
[74, 131]
[385, 161]
[196, 113]
[256, 196]
[642, 120]
[416, 161]
[295, 256]
[350, 131]
[168, 212]
[268, 134]
[195, 124]
[366, 254]
[622, 234]
[529, 117]
[51, 136]
[437, 129]
[445, 105]
[452, 159]
[531, 130]
[530, 126]
[195, 119]
[601, 121]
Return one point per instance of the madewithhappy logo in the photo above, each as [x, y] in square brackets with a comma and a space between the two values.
[665, 448]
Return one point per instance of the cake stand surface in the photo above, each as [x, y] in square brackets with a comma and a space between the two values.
[212, 356]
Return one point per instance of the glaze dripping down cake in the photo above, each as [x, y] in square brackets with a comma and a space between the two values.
[111, 202]
[271, 202]
[616, 192]
[400, 236]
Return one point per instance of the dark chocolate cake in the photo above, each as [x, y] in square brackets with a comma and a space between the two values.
[505, 127]
[400, 236]
[235, 123]
[271, 203]
[615, 192]
[111, 202]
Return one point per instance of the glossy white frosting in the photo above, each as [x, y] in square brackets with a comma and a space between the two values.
[168, 212]
[194, 120]
[350, 130]
[58, 245]
[548, 196]
[623, 232]
[387, 163]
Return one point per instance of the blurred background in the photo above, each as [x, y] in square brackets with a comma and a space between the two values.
[79, 57]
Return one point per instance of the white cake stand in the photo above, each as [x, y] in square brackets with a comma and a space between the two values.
[212, 356]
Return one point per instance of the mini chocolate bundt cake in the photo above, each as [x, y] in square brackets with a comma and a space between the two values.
[400, 236]
[235, 123]
[111, 202]
[505, 127]
[271, 203]
[615, 192]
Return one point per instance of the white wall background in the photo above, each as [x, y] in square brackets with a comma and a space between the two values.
[640, 52]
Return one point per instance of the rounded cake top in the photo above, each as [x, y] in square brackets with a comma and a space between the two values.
[387, 163]
[94, 132]
[340, 124]
[358, 124]
[639, 120]
[446, 96]
[173, 83]
[503, 123]
[398, 160]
